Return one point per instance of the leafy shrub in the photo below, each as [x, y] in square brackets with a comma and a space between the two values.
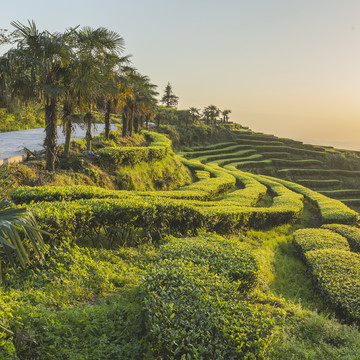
[224, 257]
[197, 314]
[332, 211]
[352, 234]
[337, 273]
[316, 239]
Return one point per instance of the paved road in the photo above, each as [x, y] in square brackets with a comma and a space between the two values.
[13, 142]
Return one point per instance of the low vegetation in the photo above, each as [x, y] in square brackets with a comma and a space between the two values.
[200, 240]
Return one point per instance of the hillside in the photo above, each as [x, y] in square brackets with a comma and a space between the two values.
[256, 258]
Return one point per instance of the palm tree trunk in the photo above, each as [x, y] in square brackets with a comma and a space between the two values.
[68, 127]
[107, 118]
[131, 122]
[88, 136]
[124, 123]
[51, 133]
[136, 125]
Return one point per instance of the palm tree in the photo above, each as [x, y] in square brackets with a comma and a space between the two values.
[15, 223]
[138, 102]
[211, 113]
[225, 114]
[40, 59]
[194, 113]
[98, 53]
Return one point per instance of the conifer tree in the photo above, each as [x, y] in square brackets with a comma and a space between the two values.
[169, 99]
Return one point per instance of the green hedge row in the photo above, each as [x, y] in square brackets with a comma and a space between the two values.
[319, 172]
[226, 150]
[290, 150]
[276, 154]
[234, 161]
[338, 194]
[237, 154]
[317, 239]
[228, 258]
[337, 273]
[252, 192]
[258, 142]
[304, 162]
[194, 307]
[352, 234]
[332, 211]
[159, 214]
[319, 183]
[254, 164]
[111, 157]
[214, 146]
[115, 156]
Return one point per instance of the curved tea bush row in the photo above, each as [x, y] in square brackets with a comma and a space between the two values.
[28, 194]
[352, 234]
[204, 189]
[233, 155]
[335, 269]
[254, 164]
[218, 184]
[319, 183]
[235, 161]
[317, 239]
[275, 154]
[195, 309]
[319, 172]
[303, 162]
[341, 193]
[111, 157]
[252, 192]
[214, 146]
[337, 273]
[290, 150]
[202, 174]
[228, 258]
[225, 150]
[332, 211]
[159, 214]
[258, 142]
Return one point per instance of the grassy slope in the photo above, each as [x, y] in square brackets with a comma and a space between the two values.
[88, 303]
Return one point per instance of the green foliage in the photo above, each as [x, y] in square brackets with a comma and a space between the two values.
[228, 258]
[196, 313]
[18, 228]
[317, 239]
[337, 273]
[70, 307]
[22, 118]
[332, 211]
[352, 234]
[112, 157]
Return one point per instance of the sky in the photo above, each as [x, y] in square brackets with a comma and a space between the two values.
[286, 67]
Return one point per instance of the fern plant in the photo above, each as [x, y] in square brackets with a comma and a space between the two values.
[18, 227]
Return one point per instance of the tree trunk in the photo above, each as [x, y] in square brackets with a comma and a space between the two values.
[136, 125]
[107, 118]
[131, 122]
[124, 123]
[67, 127]
[50, 133]
[88, 136]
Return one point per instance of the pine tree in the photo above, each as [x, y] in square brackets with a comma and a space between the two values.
[169, 99]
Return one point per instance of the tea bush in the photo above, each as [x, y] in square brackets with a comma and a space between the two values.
[352, 234]
[224, 257]
[337, 273]
[316, 239]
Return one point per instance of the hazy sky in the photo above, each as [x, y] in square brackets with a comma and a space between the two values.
[286, 67]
